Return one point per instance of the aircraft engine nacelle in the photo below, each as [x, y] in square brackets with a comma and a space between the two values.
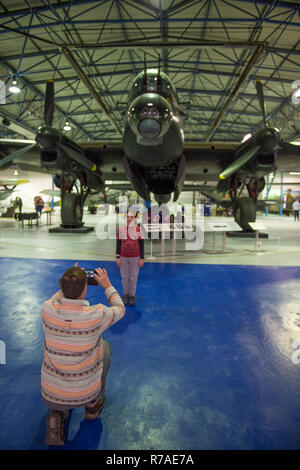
[150, 116]
[263, 164]
[48, 138]
[264, 146]
[58, 152]
[49, 159]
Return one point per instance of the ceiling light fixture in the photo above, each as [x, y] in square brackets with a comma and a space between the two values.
[246, 137]
[296, 95]
[15, 169]
[14, 88]
[67, 126]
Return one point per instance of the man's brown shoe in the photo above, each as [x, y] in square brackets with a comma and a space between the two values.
[55, 435]
[92, 412]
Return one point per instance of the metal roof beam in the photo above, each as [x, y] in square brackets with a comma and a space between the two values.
[171, 70]
[164, 44]
[71, 59]
[151, 20]
[159, 44]
[125, 34]
[270, 3]
[38, 93]
[43, 9]
[186, 91]
[234, 92]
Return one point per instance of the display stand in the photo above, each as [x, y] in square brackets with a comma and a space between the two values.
[222, 227]
[151, 228]
[164, 228]
[257, 226]
[176, 228]
[151, 255]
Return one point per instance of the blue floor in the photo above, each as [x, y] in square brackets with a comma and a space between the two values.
[202, 362]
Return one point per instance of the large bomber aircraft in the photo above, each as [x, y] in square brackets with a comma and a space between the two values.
[153, 155]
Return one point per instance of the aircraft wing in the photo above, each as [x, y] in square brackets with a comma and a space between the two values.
[12, 182]
[26, 154]
[204, 160]
[288, 158]
[11, 151]
[199, 157]
[5, 191]
[51, 192]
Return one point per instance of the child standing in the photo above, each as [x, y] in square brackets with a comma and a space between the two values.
[130, 256]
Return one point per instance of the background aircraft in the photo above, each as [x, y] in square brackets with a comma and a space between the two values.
[154, 156]
[5, 191]
[108, 196]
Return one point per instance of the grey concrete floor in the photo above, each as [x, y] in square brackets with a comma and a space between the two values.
[282, 248]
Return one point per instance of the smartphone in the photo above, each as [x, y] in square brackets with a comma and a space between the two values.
[90, 277]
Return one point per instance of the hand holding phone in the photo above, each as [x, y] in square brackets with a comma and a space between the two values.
[102, 278]
[90, 277]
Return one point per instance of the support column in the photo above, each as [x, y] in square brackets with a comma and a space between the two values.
[281, 194]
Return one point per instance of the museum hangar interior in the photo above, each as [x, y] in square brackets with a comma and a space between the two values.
[209, 356]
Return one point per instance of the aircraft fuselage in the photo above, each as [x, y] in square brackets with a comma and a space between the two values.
[153, 137]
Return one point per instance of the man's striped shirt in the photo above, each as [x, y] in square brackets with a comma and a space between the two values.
[73, 352]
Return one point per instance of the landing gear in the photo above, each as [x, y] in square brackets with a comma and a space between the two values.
[245, 212]
[71, 205]
[71, 210]
[244, 208]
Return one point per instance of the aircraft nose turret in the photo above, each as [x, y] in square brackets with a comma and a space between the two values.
[150, 116]
[149, 124]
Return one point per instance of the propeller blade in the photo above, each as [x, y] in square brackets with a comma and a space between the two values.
[295, 149]
[49, 103]
[261, 99]
[237, 164]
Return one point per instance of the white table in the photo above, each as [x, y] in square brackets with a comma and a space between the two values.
[222, 226]
[166, 228]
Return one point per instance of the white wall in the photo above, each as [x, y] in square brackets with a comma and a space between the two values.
[275, 190]
[27, 191]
